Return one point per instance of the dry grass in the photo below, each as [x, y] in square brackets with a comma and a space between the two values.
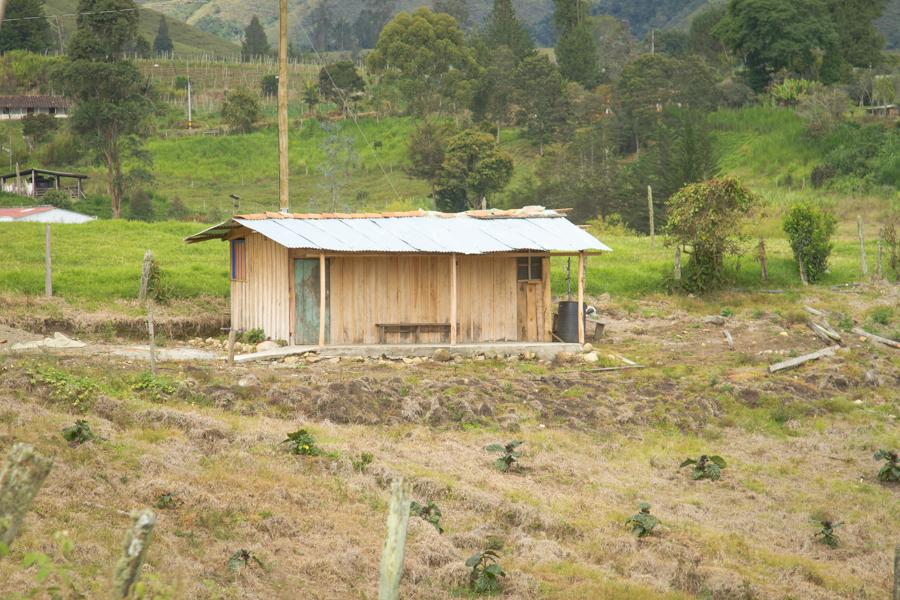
[798, 445]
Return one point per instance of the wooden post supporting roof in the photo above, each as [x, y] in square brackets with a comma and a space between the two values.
[581, 298]
[283, 193]
[322, 299]
[453, 294]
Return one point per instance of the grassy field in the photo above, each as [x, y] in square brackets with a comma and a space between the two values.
[799, 448]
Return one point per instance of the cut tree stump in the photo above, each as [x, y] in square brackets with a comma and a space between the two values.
[23, 474]
[728, 339]
[796, 362]
[134, 549]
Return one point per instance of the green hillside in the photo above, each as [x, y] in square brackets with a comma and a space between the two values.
[187, 39]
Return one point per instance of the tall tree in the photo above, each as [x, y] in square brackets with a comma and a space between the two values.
[340, 83]
[320, 24]
[105, 29]
[458, 9]
[473, 169]
[426, 151]
[542, 100]
[426, 55]
[255, 42]
[21, 31]
[576, 51]
[503, 28]
[493, 96]
[860, 42]
[371, 20]
[162, 44]
[773, 35]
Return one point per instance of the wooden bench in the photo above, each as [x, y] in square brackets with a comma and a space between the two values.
[413, 328]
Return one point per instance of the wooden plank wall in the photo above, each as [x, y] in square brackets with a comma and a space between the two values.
[391, 289]
[263, 300]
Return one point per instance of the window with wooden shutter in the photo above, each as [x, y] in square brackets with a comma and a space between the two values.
[529, 268]
[239, 260]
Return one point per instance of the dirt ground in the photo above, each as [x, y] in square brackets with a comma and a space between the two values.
[799, 447]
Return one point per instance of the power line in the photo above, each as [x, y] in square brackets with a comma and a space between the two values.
[349, 109]
[103, 12]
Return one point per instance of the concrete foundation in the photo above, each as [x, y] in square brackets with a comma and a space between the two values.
[543, 351]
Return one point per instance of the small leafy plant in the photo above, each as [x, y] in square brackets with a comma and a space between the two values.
[430, 512]
[302, 442]
[242, 559]
[486, 571]
[826, 534]
[705, 467]
[890, 471]
[156, 388]
[365, 459]
[80, 392]
[509, 455]
[78, 433]
[642, 523]
[252, 336]
[167, 500]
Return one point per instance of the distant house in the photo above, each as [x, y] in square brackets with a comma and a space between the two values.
[886, 110]
[410, 277]
[42, 214]
[18, 107]
[34, 183]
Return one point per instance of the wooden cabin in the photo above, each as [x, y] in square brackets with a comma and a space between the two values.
[414, 277]
[35, 183]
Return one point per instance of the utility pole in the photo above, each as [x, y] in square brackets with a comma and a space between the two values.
[283, 196]
[652, 41]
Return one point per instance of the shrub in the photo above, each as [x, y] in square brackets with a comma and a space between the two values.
[509, 456]
[79, 433]
[706, 219]
[890, 471]
[430, 512]
[790, 92]
[140, 206]
[705, 467]
[77, 391]
[253, 336]
[181, 82]
[642, 523]
[809, 230]
[178, 210]
[167, 500]
[269, 86]
[486, 571]
[822, 174]
[58, 198]
[156, 388]
[39, 128]
[826, 534]
[301, 442]
[241, 110]
[360, 464]
[242, 559]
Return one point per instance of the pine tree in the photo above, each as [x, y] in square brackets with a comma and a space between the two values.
[163, 43]
[255, 43]
[576, 50]
[503, 28]
[23, 32]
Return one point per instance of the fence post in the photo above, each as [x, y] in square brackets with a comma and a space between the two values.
[676, 274]
[763, 263]
[232, 335]
[134, 549]
[145, 275]
[48, 268]
[152, 334]
[650, 215]
[394, 542]
[897, 572]
[23, 474]
[863, 265]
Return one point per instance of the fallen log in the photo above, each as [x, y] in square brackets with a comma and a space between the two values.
[728, 339]
[826, 334]
[796, 362]
[813, 311]
[876, 338]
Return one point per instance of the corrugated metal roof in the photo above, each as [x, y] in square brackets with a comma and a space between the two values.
[483, 232]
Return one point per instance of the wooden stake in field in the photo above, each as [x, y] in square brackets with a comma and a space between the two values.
[650, 215]
[23, 474]
[283, 196]
[394, 542]
[879, 265]
[134, 550]
[763, 262]
[48, 267]
[863, 265]
[232, 335]
[676, 273]
[896, 595]
[146, 267]
[152, 335]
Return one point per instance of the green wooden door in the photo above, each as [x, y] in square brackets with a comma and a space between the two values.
[306, 280]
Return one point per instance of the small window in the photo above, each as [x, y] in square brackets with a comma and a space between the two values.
[30, 110]
[238, 260]
[529, 268]
[52, 110]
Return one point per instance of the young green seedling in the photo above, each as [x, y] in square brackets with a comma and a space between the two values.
[826, 535]
[890, 472]
[642, 523]
[486, 571]
[243, 558]
[705, 467]
[78, 433]
[302, 442]
[509, 456]
[430, 512]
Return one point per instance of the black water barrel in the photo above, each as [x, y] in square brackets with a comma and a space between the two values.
[567, 321]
